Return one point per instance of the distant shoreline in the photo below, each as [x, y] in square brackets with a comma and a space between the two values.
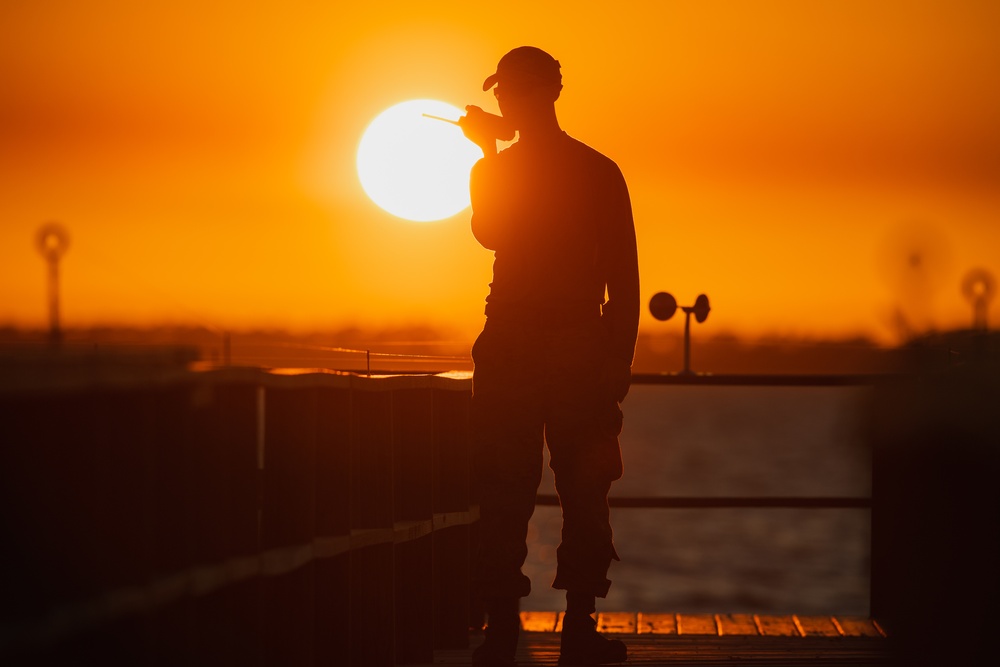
[425, 348]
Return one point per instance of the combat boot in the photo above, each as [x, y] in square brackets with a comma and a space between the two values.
[502, 631]
[582, 645]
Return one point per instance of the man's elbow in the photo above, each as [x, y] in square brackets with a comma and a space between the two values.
[483, 234]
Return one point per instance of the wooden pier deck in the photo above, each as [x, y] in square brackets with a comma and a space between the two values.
[709, 639]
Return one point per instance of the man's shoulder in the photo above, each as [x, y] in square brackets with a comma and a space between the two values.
[571, 151]
[591, 155]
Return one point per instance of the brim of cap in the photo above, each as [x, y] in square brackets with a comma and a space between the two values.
[491, 81]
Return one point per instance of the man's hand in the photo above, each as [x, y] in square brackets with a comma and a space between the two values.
[478, 133]
[616, 377]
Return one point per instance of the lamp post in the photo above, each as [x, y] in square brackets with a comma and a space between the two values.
[663, 306]
[52, 241]
[979, 286]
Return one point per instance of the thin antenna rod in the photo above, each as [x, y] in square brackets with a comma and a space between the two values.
[447, 120]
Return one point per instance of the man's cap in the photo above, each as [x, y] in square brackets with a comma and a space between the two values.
[525, 64]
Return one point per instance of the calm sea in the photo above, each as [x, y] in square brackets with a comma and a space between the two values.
[716, 441]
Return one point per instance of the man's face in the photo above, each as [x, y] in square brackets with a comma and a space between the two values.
[520, 101]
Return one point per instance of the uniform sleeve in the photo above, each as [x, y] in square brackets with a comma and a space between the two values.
[620, 313]
[486, 195]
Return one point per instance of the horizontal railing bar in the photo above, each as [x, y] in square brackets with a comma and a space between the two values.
[703, 502]
[763, 379]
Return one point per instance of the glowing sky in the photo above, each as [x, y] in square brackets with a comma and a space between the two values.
[812, 166]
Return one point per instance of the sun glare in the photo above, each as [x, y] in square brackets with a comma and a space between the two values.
[417, 167]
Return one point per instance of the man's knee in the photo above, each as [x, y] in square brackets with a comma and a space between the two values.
[586, 462]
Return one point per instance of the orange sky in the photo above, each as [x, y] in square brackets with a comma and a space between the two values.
[786, 158]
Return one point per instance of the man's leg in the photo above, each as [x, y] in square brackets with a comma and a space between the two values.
[584, 557]
[507, 457]
[582, 429]
[508, 465]
[508, 477]
[587, 548]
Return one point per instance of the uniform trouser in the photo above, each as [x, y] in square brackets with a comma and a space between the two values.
[535, 386]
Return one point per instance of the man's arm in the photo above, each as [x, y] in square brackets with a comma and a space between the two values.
[488, 202]
[621, 312]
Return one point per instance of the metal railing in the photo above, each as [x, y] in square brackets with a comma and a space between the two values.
[742, 380]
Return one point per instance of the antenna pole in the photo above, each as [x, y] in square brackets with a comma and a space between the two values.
[687, 342]
[52, 240]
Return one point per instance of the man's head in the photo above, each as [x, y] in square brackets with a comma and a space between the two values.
[527, 82]
[526, 66]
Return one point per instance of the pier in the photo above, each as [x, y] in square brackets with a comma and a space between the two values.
[157, 511]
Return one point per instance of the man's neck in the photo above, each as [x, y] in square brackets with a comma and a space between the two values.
[540, 128]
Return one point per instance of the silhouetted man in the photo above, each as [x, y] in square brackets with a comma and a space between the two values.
[554, 359]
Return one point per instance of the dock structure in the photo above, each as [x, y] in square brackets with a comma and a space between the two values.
[709, 639]
[164, 513]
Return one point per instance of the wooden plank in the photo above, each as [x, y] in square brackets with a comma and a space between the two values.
[736, 624]
[616, 622]
[537, 648]
[658, 624]
[696, 624]
[858, 626]
[817, 626]
[539, 621]
[776, 626]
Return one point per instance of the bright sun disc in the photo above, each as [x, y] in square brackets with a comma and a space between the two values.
[416, 167]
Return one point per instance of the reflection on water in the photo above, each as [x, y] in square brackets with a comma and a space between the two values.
[716, 441]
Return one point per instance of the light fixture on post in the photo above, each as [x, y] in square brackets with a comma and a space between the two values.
[52, 241]
[979, 287]
[663, 306]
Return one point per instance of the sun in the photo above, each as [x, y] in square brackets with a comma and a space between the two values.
[416, 167]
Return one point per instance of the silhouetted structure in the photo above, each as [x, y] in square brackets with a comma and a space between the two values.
[936, 502]
[52, 242]
[663, 306]
[979, 287]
